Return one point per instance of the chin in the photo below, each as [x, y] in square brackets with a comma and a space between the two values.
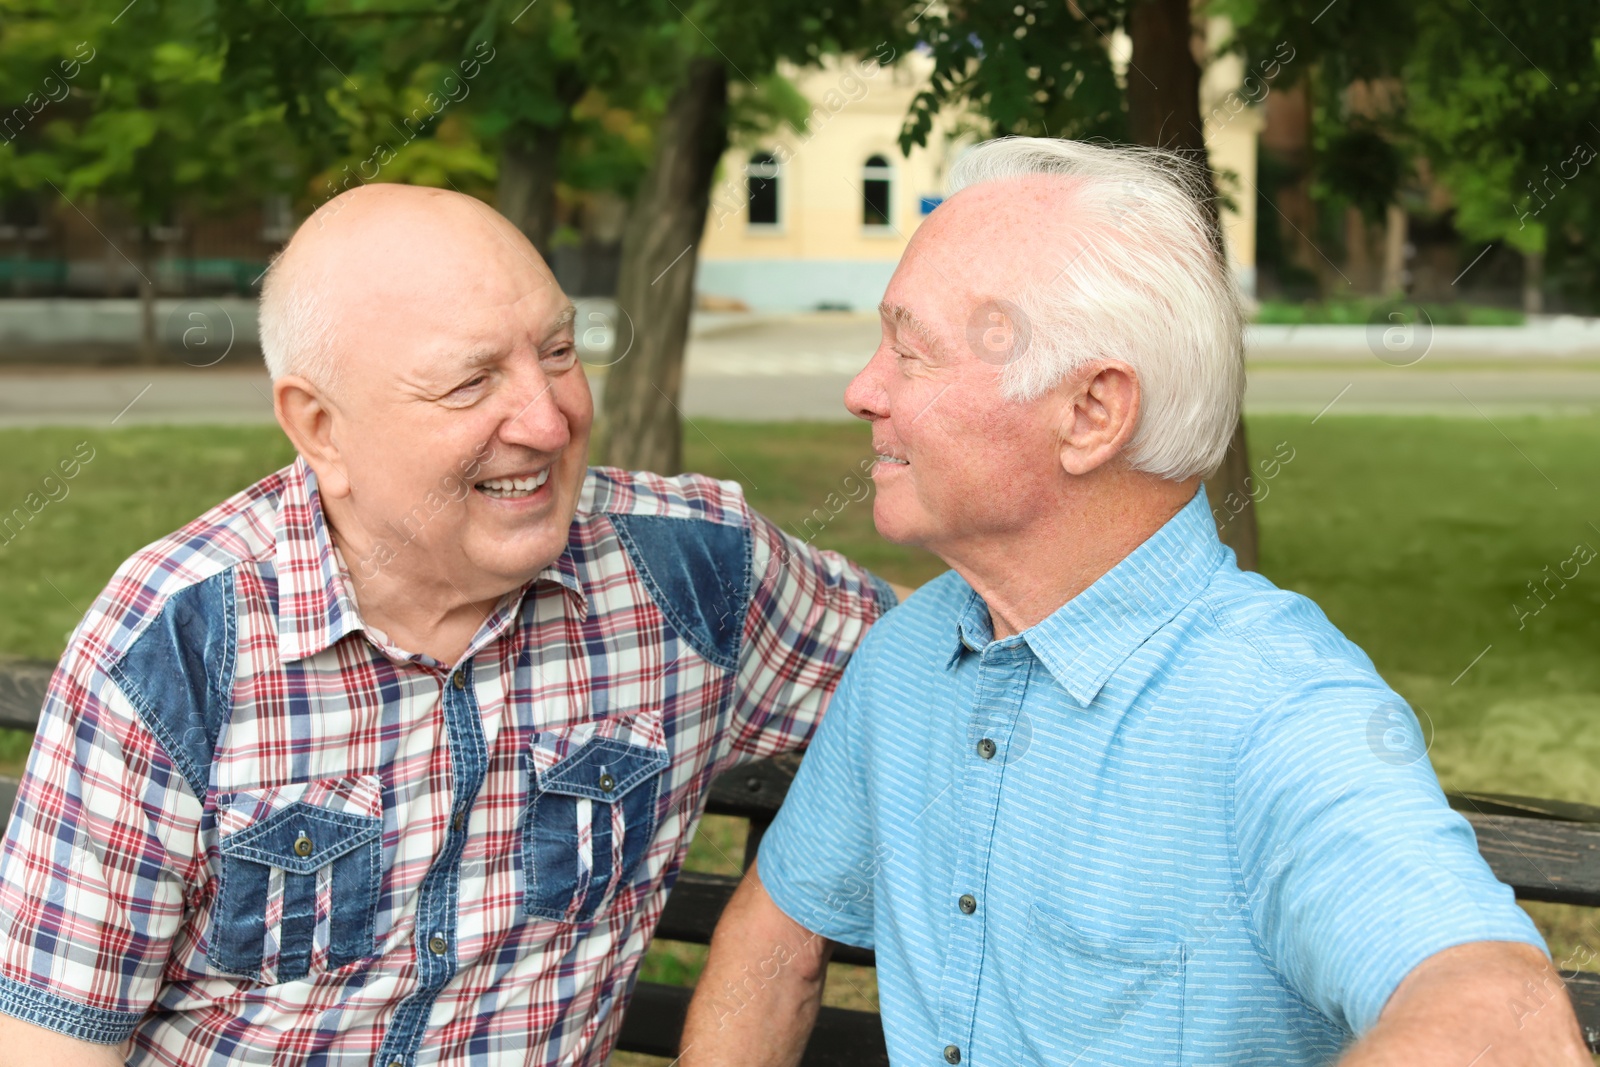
[894, 526]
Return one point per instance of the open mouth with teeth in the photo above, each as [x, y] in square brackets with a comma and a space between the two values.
[893, 460]
[513, 488]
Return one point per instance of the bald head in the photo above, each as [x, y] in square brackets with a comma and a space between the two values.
[381, 251]
[424, 365]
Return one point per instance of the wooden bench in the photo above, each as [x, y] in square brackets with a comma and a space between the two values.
[1545, 850]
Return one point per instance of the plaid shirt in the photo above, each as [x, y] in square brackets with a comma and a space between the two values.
[252, 830]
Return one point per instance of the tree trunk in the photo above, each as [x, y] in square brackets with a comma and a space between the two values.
[1533, 283]
[655, 289]
[530, 162]
[1394, 251]
[1164, 111]
[1287, 136]
[149, 345]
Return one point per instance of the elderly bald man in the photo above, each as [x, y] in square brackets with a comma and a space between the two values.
[1095, 796]
[392, 757]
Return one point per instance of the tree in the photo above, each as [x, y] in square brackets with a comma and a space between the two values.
[1503, 101]
[1044, 68]
[698, 50]
[1499, 99]
[140, 129]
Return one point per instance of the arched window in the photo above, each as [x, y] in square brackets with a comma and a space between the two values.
[761, 178]
[877, 180]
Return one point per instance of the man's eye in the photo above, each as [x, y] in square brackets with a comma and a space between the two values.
[561, 356]
[474, 383]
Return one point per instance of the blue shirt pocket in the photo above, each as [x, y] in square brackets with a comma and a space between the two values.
[591, 816]
[301, 869]
[1104, 999]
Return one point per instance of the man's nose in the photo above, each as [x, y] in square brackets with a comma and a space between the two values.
[865, 396]
[535, 419]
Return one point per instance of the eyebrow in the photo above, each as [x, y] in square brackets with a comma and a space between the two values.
[567, 317]
[478, 357]
[906, 319]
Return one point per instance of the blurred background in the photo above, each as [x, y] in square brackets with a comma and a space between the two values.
[1405, 190]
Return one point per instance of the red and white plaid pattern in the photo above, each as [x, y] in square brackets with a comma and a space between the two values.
[109, 876]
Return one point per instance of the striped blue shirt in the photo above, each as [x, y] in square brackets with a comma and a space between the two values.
[1181, 820]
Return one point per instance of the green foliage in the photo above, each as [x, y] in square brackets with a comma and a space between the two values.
[143, 125]
[1360, 166]
[1499, 96]
[1034, 67]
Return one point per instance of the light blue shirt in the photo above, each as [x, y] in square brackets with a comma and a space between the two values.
[1181, 820]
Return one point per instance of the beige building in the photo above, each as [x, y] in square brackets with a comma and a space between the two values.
[818, 219]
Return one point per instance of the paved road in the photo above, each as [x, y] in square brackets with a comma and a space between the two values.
[796, 367]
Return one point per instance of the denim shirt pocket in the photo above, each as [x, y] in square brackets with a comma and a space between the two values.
[592, 811]
[301, 872]
[1119, 994]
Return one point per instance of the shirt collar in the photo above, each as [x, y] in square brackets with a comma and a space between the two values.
[315, 606]
[1086, 639]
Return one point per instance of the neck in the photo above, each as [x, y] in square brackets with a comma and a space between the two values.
[417, 609]
[1025, 575]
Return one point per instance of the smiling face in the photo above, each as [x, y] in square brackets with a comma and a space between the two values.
[458, 434]
[959, 463]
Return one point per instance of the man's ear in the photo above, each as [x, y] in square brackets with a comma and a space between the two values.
[307, 415]
[1100, 411]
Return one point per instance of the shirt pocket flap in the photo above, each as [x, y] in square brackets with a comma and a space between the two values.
[602, 768]
[1128, 951]
[303, 827]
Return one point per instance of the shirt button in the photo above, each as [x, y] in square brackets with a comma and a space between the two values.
[438, 945]
[459, 680]
[460, 821]
[607, 783]
[986, 748]
[952, 1054]
[396, 1063]
[967, 903]
[303, 845]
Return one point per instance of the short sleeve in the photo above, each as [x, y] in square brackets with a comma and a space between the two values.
[817, 861]
[808, 610]
[93, 870]
[1356, 868]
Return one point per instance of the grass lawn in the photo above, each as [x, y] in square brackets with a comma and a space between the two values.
[1418, 536]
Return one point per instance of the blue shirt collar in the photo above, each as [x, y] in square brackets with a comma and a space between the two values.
[1086, 639]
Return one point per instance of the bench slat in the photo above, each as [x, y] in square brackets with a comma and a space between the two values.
[1584, 989]
[843, 1038]
[1542, 859]
[1529, 807]
[22, 687]
[755, 790]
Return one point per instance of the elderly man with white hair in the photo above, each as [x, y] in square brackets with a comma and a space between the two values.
[392, 758]
[1096, 796]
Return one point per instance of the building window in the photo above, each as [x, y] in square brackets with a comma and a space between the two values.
[761, 177]
[876, 178]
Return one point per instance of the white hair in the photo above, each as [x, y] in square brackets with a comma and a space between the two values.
[1147, 286]
[296, 324]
